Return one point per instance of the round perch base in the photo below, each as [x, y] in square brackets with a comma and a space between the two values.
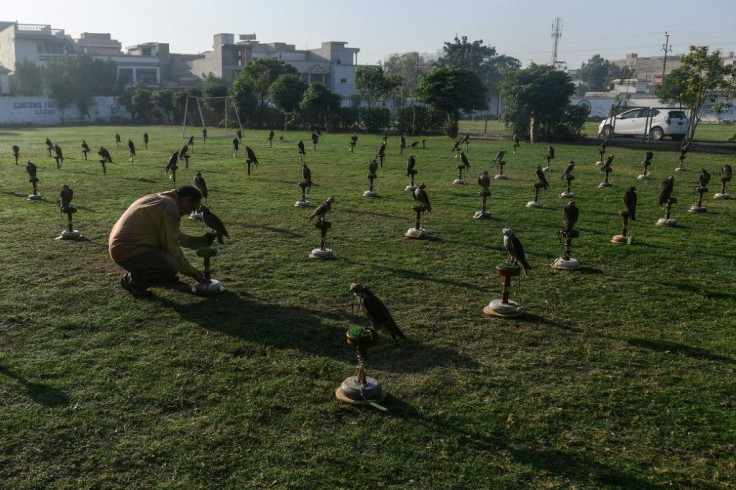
[501, 177]
[547, 169]
[605, 184]
[323, 254]
[35, 197]
[420, 233]
[410, 188]
[458, 182]
[196, 215]
[563, 264]
[680, 169]
[482, 215]
[69, 235]
[302, 203]
[534, 204]
[498, 308]
[643, 177]
[720, 195]
[599, 163]
[350, 391]
[620, 240]
[567, 195]
[697, 209]
[208, 288]
[666, 222]
[370, 194]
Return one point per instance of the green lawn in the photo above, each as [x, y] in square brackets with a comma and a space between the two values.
[621, 375]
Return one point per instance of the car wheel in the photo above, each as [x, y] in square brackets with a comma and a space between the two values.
[656, 134]
[607, 131]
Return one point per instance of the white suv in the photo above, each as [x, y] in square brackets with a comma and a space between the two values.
[658, 123]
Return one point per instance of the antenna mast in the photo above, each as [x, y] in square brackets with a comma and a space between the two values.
[556, 35]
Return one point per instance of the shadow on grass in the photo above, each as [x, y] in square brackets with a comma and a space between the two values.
[415, 275]
[577, 468]
[38, 392]
[312, 331]
[278, 231]
[676, 348]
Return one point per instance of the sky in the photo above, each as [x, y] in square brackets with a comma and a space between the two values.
[379, 28]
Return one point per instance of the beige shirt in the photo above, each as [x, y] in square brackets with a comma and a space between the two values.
[150, 222]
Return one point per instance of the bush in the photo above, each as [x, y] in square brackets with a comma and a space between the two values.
[375, 119]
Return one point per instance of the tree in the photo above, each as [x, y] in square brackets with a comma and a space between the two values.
[409, 68]
[672, 87]
[214, 86]
[596, 73]
[137, 100]
[285, 93]
[245, 96]
[373, 84]
[707, 85]
[59, 84]
[451, 90]
[318, 103]
[537, 100]
[26, 79]
[163, 103]
[262, 73]
[490, 67]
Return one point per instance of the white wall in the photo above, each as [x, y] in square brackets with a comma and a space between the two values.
[45, 111]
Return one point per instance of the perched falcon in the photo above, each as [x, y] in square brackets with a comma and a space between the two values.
[65, 197]
[542, 178]
[200, 184]
[321, 210]
[376, 311]
[210, 219]
[630, 202]
[484, 180]
[665, 190]
[421, 195]
[567, 174]
[410, 164]
[570, 216]
[171, 165]
[515, 250]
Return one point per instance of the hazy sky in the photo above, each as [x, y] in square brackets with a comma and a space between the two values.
[521, 29]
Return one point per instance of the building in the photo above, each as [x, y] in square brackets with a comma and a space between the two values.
[333, 64]
[37, 43]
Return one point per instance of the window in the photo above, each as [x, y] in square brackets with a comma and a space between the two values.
[343, 80]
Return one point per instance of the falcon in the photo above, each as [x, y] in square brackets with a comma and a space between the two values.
[484, 180]
[665, 190]
[420, 195]
[376, 312]
[251, 156]
[373, 166]
[302, 152]
[464, 160]
[307, 175]
[31, 169]
[570, 216]
[727, 173]
[515, 250]
[567, 174]
[65, 197]
[131, 149]
[171, 165]
[321, 210]
[410, 165]
[210, 219]
[85, 149]
[236, 145]
[648, 158]
[499, 156]
[200, 184]
[550, 154]
[516, 142]
[606, 167]
[630, 202]
[542, 178]
[16, 153]
[704, 178]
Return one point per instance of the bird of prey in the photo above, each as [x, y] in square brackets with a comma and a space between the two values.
[49, 146]
[727, 173]
[315, 140]
[499, 156]
[570, 216]
[683, 151]
[665, 190]
[376, 312]
[648, 159]
[210, 219]
[373, 166]
[302, 152]
[184, 152]
[630, 202]
[550, 154]
[251, 156]
[410, 164]
[464, 160]
[484, 180]
[516, 142]
[402, 141]
[236, 145]
[145, 141]
[420, 194]
[85, 149]
[466, 140]
[204, 134]
[191, 141]
[200, 184]
[513, 246]
[606, 167]
[131, 148]
[106, 157]
[456, 145]
[704, 178]
[58, 155]
[307, 175]
[382, 149]
[354, 139]
[270, 137]
[171, 165]
[602, 147]
[65, 197]
[239, 133]
[567, 174]
[542, 178]
[31, 169]
[414, 145]
[321, 210]
[117, 139]
[16, 153]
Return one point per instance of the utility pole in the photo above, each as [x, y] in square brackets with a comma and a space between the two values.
[556, 35]
[667, 49]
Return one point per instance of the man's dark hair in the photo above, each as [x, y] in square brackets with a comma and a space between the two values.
[189, 191]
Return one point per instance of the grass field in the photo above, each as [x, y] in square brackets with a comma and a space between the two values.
[621, 375]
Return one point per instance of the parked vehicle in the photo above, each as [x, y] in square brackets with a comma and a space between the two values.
[657, 123]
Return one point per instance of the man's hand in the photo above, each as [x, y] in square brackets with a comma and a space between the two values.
[209, 238]
[199, 277]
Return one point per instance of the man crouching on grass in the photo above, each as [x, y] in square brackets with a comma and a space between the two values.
[146, 241]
